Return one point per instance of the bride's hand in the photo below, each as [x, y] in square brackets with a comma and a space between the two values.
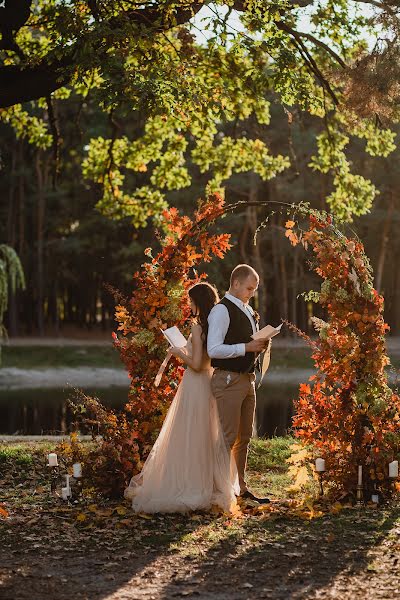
[175, 352]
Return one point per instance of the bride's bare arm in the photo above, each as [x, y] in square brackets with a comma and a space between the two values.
[195, 360]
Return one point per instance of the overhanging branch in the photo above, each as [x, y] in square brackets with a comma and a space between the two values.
[22, 83]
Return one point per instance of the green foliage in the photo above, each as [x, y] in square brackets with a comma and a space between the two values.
[185, 88]
[11, 278]
[353, 195]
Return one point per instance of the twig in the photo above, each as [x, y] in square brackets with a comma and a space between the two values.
[302, 34]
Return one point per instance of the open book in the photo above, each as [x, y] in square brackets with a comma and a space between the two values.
[174, 337]
[267, 332]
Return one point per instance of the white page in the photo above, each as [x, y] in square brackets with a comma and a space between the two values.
[175, 337]
[267, 332]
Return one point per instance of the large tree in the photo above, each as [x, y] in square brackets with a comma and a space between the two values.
[152, 58]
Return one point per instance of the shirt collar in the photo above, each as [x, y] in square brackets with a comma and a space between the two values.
[239, 303]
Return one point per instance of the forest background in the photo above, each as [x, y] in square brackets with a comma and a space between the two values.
[74, 235]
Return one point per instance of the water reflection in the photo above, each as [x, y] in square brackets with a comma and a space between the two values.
[38, 412]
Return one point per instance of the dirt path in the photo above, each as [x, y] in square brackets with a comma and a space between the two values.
[352, 556]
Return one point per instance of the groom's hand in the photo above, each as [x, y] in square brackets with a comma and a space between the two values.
[256, 345]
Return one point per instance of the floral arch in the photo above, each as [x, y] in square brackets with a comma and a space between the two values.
[346, 413]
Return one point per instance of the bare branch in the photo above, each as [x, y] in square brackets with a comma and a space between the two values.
[302, 34]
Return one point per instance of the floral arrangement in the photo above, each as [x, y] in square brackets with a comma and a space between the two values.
[347, 412]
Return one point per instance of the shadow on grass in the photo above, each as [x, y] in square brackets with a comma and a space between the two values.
[166, 557]
[81, 562]
[286, 559]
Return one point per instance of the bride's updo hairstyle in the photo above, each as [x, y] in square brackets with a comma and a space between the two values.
[205, 296]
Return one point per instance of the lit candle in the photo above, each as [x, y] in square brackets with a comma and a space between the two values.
[394, 469]
[320, 465]
[53, 462]
[65, 492]
[77, 470]
[359, 475]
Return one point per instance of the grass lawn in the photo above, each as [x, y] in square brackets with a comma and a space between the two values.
[43, 357]
[100, 549]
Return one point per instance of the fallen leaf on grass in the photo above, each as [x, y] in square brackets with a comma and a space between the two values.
[126, 522]
[3, 512]
[104, 512]
[336, 508]
[264, 508]
[81, 517]
[145, 516]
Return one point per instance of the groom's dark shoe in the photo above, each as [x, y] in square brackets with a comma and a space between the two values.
[251, 499]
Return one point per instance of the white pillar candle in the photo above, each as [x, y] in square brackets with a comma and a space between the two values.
[65, 493]
[359, 475]
[320, 465]
[394, 469]
[53, 462]
[77, 470]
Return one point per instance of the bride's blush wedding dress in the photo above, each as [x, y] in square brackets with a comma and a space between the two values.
[189, 467]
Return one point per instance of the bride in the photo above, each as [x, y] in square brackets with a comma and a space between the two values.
[189, 467]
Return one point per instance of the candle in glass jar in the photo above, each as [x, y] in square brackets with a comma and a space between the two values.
[77, 470]
[53, 461]
[320, 465]
[65, 493]
[394, 469]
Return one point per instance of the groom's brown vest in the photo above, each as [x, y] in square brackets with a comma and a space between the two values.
[239, 331]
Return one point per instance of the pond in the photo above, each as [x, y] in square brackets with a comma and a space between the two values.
[45, 411]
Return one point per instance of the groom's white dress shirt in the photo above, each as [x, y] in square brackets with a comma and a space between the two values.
[218, 325]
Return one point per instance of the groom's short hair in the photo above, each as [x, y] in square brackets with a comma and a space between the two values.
[242, 272]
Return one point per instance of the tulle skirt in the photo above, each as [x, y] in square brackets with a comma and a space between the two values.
[189, 467]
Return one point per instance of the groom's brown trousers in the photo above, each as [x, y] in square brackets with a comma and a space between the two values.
[236, 401]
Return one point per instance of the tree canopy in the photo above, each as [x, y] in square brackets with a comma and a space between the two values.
[201, 84]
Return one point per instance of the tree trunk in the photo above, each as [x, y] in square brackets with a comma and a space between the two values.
[42, 180]
[255, 250]
[384, 242]
[294, 287]
[284, 286]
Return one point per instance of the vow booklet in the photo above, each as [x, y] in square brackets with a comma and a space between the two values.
[174, 337]
[267, 332]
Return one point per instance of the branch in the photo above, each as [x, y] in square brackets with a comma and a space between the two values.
[19, 83]
[308, 59]
[302, 34]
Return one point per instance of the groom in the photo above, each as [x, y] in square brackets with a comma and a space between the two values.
[233, 354]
